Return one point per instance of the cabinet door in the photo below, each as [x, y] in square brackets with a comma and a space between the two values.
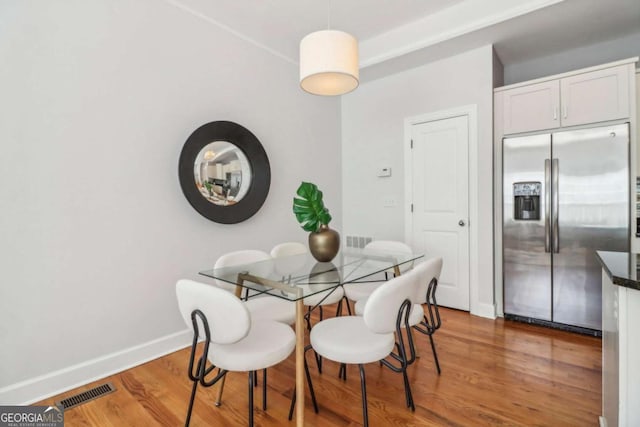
[532, 107]
[595, 97]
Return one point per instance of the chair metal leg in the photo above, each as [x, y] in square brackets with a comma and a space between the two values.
[363, 384]
[407, 391]
[220, 390]
[339, 308]
[264, 389]
[293, 404]
[251, 398]
[435, 355]
[317, 356]
[255, 378]
[346, 300]
[193, 396]
[342, 373]
[310, 384]
[307, 318]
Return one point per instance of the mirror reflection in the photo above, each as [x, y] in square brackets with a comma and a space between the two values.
[222, 173]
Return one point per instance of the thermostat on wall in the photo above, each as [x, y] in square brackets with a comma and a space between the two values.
[384, 171]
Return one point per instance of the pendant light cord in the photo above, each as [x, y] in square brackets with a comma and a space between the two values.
[329, 15]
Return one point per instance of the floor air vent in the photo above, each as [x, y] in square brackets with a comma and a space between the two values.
[86, 396]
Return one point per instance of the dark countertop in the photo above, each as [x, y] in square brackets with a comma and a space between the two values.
[621, 267]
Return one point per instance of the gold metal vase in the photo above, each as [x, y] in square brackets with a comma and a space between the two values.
[324, 244]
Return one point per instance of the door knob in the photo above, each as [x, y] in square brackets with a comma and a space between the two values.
[461, 223]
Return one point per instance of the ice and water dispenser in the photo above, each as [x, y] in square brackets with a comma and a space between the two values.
[526, 201]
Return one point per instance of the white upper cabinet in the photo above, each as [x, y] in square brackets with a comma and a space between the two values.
[532, 107]
[595, 97]
[580, 98]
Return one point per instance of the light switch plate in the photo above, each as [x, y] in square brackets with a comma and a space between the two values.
[389, 202]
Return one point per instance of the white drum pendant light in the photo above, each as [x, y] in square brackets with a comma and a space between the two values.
[329, 63]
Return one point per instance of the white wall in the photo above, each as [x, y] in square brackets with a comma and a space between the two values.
[573, 59]
[373, 134]
[98, 97]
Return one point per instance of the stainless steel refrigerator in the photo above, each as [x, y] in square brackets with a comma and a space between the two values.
[565, 196]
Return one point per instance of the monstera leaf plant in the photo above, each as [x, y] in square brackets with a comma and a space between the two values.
[309, 207]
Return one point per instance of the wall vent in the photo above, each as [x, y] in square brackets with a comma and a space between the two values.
[358, 241]
[86, 396]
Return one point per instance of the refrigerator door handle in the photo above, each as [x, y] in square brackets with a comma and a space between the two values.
[547, 205]
[556, 204]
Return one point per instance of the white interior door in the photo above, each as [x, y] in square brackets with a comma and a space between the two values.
[440, 197]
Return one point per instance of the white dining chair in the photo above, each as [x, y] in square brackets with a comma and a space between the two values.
[288, 248]
[372, 337]
[429, 272]
[357, 291]
[426, 322]
[261, 306]
[232, 341]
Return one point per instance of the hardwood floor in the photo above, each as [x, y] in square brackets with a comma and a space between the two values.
[494, 373]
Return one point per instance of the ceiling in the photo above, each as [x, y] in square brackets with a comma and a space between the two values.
[397, 30]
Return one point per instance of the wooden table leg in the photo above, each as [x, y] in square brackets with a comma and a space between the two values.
[300, 330]
[396, 270]
[300, 363]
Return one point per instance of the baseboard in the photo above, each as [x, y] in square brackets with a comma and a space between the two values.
[39, 388]
[484, 310]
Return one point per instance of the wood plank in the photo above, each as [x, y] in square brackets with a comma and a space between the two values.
[494, 373]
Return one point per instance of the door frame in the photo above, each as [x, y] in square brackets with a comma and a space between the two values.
[471, 111]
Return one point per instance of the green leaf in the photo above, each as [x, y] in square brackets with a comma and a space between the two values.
[309, 208]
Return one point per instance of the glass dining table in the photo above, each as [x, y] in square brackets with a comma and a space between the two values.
[296, 277]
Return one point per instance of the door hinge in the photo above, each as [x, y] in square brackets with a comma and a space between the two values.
[412, 207]
[412, 144]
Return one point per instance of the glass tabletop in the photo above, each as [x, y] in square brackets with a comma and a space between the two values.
[298, 276]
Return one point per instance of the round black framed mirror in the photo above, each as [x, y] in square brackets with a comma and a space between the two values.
[224, 172]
